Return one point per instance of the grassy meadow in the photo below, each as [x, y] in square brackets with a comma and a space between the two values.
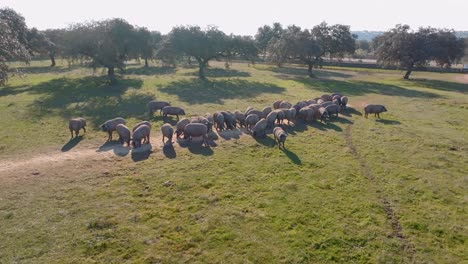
[354, 190]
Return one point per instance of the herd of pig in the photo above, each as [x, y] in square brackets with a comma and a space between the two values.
[257, 122]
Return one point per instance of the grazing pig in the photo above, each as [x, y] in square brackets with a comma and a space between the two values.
[172, 110]
[374, 109]
[75, 124]
[167, 131]
[333, 109]
[280, 136]
[109, 126]
[344, 102]
[260, 128]
[266, 111]
[271, 118]
[285, 105]
[202, 120]
[306, 113]
[146, 123]
[323, 114]
[229, 119]
[180, 126]
[157, 105]
[196, 130]
[124, 134]
[141, 133]
[326, 97]
[251, 120]
[240, 118]
[218, 118]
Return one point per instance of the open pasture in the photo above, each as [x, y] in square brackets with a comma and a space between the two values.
[354, 190]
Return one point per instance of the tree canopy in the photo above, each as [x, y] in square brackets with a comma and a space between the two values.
[410, 49]
[146, 43]
[107, 43]
[110, 43]
[13, 41]
[266, 33]
[39, 43]
[208, 44]
[203, 45]
[309, 46]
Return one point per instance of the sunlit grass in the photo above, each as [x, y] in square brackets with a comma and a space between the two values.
[241, 200]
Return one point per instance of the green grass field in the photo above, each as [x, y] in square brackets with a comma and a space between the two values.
[354, 190]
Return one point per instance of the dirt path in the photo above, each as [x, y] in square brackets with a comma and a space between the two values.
[463, 78]
[79, 155]
[48, 159]
[392, 217]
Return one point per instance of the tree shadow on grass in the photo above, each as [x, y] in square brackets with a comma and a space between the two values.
[292, 156]
[355, 88]
[47, 69]
[14, 90]
[440, 85]
[150, 71]
[291, 73]
[71, 143]
[388, 122]
[219, 72]
[90, 97]
[195, 91]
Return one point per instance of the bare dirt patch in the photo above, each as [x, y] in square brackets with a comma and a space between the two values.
[462, 78]
[51, 161]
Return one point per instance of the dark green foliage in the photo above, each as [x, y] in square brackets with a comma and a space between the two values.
[146, 43]
[265, 34]
[166, 52]
[203, 45]
[310, 46]
[206, 45]
[40, 44]
[409, 49]
[107, 43]
[91, 97]
[281, 48]
[201, 91]
[242, 47]
[13, 41]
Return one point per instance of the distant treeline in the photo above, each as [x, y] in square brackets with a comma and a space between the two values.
[110, 43]
[370, 35]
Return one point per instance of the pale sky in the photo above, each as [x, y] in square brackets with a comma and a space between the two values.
[245, 16]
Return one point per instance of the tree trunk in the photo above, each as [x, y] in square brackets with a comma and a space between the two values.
[408, 72]
[201, 70]
[146, 62]
[309, 70]
[52, 60]
[111, 74]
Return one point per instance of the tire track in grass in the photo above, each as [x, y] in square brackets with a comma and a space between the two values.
[397, 230]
